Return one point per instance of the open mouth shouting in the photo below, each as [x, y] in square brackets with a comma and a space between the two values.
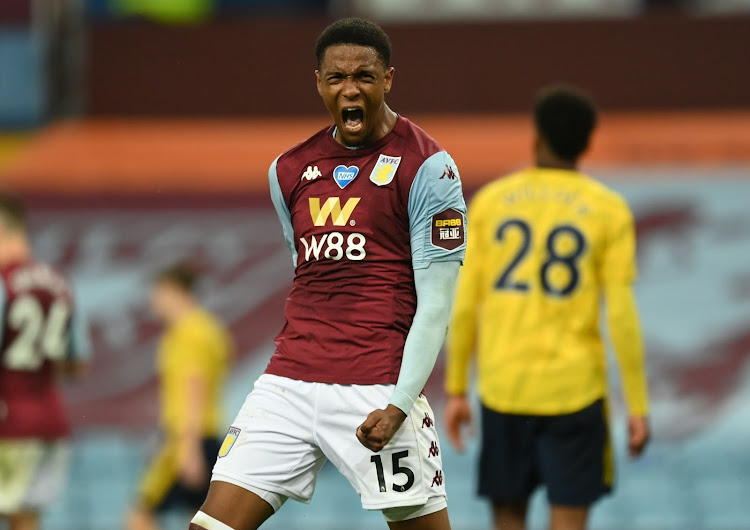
[352, 119]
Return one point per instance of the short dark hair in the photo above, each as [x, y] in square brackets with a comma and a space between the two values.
[357, 31]
[565, 117]
[12, 211]
[181, 275]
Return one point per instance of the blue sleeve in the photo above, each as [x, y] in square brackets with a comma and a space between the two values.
[281, 210]
[437, 213]
[435, 289]
[80, 341]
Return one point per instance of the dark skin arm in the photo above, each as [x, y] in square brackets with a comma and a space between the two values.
[193, 470]
[379, 427]
[457, 414]
[639, 435]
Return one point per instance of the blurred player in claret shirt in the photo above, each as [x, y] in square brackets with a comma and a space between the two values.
[372, 211]
[546, 245]
[192, 362]
[41, 336]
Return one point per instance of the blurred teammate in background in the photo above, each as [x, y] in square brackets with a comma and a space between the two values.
[373, 213]
[41, 336]
[193, 357]
[545, 246]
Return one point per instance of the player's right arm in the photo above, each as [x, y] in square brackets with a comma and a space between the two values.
[462, 334]
[78, 358]
[617, 273]
[282, 210]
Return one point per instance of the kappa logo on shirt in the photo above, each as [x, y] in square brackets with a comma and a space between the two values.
[311, 173]
[448, 173]
[385, 170]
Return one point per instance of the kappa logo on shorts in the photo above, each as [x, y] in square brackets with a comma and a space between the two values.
[229, 440]
[434, 450]
[447, 231]
[427, 421]
[437, 480]
[385, 170]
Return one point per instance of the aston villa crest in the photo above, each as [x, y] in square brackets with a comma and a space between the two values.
[385, 170]
[231, 437]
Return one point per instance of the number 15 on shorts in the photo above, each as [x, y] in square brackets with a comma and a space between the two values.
[405, 474]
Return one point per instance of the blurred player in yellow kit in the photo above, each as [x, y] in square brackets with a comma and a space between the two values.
[192, 362]
[545, 246]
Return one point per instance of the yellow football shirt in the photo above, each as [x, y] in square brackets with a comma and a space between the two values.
[544, 246]
[195, 346]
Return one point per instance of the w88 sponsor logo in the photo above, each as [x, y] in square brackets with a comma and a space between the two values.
[335, 246]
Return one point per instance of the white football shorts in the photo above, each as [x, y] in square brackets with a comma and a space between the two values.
[287, 429]
[32, 473]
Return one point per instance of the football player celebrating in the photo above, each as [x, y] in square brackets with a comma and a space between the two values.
[372, 210]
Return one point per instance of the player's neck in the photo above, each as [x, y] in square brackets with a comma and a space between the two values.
[387, 123]
[180, 310]
[553, 162]
[546, 158]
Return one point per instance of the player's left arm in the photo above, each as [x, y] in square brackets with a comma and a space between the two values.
[437, 217]
[192, 466]
[461, 342]
[618, 274]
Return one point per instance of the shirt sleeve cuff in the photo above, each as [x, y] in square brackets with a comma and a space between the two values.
[639, 409]
[402, 400]
[455, 390]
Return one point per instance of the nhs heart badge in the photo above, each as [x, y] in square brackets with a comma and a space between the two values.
[344, 175]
